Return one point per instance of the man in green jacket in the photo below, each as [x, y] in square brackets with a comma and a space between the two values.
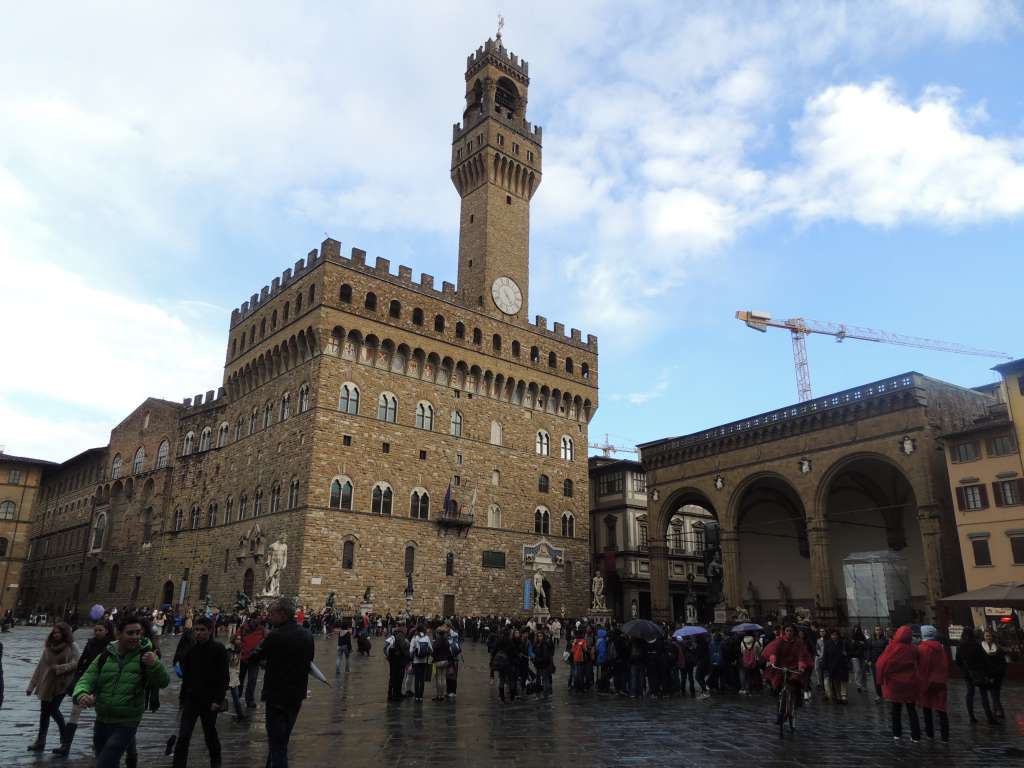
[116, 683]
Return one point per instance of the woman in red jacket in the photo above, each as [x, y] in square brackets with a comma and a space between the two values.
[897, 672]
[933, 667]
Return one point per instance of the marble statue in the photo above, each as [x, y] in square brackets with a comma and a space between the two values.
[541, 599]
[597, 587]
[368, 596]
[277, 561]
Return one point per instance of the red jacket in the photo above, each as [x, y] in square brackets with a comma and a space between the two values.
[896, 669]
[250, 639]
[792, 655]
[933, 670]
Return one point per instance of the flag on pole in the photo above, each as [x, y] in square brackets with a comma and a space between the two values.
[448, 497]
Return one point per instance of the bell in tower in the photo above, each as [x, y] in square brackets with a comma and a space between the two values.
[496, 168]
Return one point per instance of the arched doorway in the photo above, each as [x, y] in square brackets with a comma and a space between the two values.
[248, 582]
[875, 550]
[167, 596]
[774, 555]
[679, 536]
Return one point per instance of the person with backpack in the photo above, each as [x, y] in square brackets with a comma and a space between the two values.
[117, 684]
[251, 634]
[579, 656]
[750, 661]
[442, 654]
[421, 652]
[344, 648]
[396, 654]
[102, 634]
[204, 685]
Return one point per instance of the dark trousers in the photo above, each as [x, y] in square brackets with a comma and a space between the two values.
[110, 742]
[397, 673]
[280, 721]
[419, 672]
[50, 710]
[688, 679]
[943, 724]
[507, 677]
[897, 720]
[984, 700]
[247, 676]
[190, 712]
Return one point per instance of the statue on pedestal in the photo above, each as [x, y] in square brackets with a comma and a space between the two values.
[241, 602]
[277, 561]
[541, 596]
[329, 605]
[597, 587]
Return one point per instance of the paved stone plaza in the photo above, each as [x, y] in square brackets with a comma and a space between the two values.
[351, 725]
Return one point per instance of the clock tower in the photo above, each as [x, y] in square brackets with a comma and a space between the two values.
[496, 168]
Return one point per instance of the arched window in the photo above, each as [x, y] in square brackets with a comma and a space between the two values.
[238, 428]
[161, 454]
[205, 438]
[478, 336]
[552, 360]
[268, 414]
[229, 510]
[243, 506]
[567, 489]
[257, 503]
[439, 323]
[275, 497]
[348, 555]
[568, 449]
[676, 538]
[115, 466]
[568, 365]
[424, 416]
[455, 427]
[698, 536]
[543, 443]
[495, 433]
[417, 316]
[419, 505]
[287, 309]
[371, 302]
[312, 294]
[568, 525]
[348, 401]
[273, 320]
[410, 559]
[382, 499]
[263, 327]
[211, 516]
[542, 483]
[449, 564]
[194, 519]
[495, 477]
[99, 531]
[293, 493]
[534, 355]
[515, 349]
[179, 518]
[496, 343]
[139, 460]
[222, 435]
[387, 407]
[585, 370]
[341, 493]
[3, 547]
[460, 331]
[395, 309]
[345, 294]
[252, 419]
[286, 405]
[494, 516]
[541, 520]
[298, 303]
[304, 398]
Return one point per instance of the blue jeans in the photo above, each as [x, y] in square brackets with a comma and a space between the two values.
[347, 653]
[280, 721]
[247, 677]
[545, 681]
[110, 742]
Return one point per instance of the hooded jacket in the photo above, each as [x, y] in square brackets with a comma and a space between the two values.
[933, 670]
[120, 686]
[897, 668]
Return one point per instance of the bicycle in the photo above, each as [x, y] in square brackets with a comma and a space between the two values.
[786, 705]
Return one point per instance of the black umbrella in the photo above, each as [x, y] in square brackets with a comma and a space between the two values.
[642, 629]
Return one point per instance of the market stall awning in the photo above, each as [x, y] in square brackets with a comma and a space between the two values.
[1007, 595]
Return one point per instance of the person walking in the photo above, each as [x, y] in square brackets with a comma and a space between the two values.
[442, 654]
[204, 685]
[421, 649]
[874, 647]
[898, 674]
[344, 648]
[396, 653]
[102, 634]
[50, 681]
[118, 684]
[287, 652]
[995, 667]
[544, 661]
[973, 662]
[750, 662]
[250, 636]
[835, 665]
[933, 668]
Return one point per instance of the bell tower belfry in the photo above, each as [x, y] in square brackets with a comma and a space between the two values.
[496, 168]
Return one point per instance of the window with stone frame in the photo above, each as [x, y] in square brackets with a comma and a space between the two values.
[268, 414]
[1008, 493]
[286, 405]
[139, 460]
[1002, 445]
[257, 503]
[194, 517]
[383, 498]
[222, 435]
[387, 407]
[348, 555]
[567, 488]
[211, 516]
[243, 506]
[568, 525]
[179, 519]
[304, 398]
[541, 520]
[419, 504]
[341, 493]
[293, 493]
[455, 427]
[229, 510]
[982, 554]
[964, 451]
[568, 448]
[424, 416]
[543, 484]
[348, 398]
[494, 516]
[971, 498]
[543, 443]
[205, 439]
[275, 498]
[345, 293]
[410, 559]
[115, 466]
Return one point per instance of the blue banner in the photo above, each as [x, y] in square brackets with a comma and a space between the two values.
[527, 593]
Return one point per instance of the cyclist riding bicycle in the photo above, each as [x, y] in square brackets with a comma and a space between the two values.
[789, 651]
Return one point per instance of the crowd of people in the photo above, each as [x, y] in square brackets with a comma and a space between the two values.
[120, 670]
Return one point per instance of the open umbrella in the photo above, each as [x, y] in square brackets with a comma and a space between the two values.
[747, 627]
[682, 632]
[642, 629]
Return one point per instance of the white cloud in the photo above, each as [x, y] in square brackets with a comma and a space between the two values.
[656, 389]
[865, 154]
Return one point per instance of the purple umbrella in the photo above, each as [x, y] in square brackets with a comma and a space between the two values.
[682, 632]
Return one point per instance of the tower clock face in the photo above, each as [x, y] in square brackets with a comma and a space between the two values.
[506, 295]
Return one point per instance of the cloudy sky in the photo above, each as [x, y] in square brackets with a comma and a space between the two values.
[858, 162]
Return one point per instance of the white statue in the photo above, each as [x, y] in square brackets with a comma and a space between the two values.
[277, 561]
[597, 587]
[541, 599]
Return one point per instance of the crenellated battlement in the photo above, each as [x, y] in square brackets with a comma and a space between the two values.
[288, 277]
[525, 127]
[203, 403]
[494, 52]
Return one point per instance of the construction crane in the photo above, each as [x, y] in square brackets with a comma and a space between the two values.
[608, 449]
[800, 328]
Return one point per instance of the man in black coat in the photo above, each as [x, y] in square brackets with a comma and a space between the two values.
[287, 652]
[204, 683]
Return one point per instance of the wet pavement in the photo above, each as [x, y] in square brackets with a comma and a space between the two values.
[351, 724]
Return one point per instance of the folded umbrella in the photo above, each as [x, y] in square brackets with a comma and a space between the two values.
[314, 670]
